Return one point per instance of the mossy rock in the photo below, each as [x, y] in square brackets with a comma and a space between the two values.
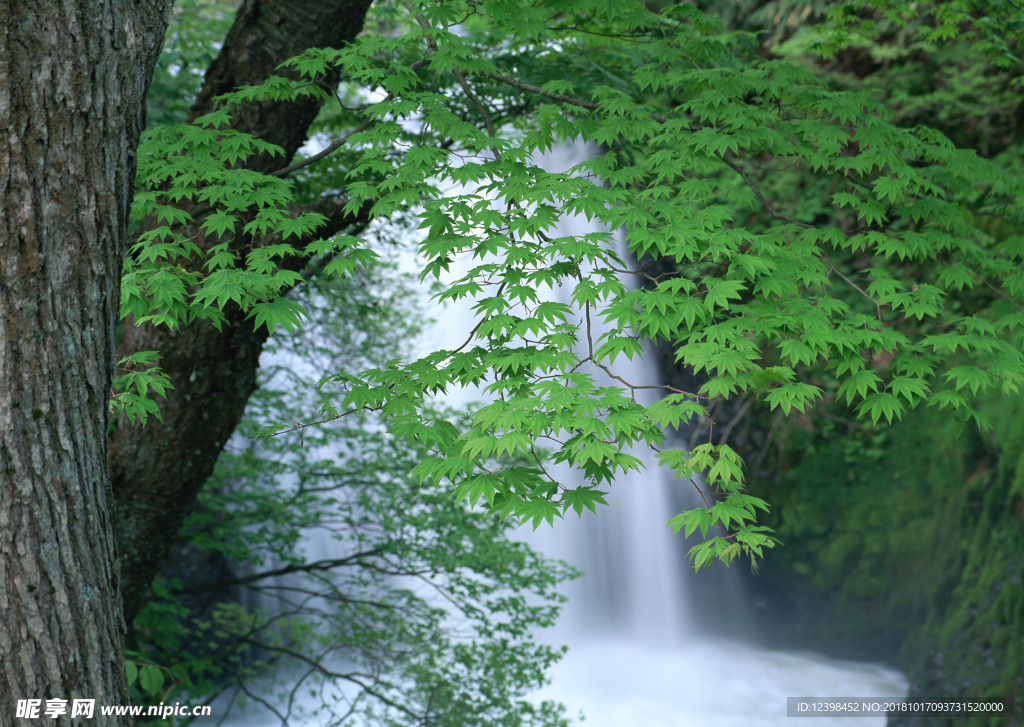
[906, 546]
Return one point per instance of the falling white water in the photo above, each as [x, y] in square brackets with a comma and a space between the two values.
[636, 655]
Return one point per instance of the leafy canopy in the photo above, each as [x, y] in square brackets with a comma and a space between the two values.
[892, 288]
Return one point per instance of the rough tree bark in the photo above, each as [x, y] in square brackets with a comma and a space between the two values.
[157, 470]
[73, 82]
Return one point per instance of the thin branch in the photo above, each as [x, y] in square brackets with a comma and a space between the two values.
[564, 98]
[328, 150]
[994, 289]
[303, 568]
[761, 198]
[834, 269]
[354, 677]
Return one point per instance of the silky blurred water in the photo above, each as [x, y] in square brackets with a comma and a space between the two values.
[637, 654]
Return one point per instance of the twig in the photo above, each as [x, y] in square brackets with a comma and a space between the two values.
[328, 150]
[761, 198]
[564, 98]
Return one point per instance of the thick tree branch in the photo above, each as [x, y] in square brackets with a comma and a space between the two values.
[157, 470]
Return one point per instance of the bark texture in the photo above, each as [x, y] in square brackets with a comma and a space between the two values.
[157, 470]
[73, 82]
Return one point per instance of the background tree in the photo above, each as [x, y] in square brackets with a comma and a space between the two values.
[324, 569]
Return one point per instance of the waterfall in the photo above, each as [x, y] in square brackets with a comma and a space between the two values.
[633, 567]
[637, 654]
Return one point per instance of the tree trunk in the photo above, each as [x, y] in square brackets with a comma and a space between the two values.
[73, 82]
[157, 470]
